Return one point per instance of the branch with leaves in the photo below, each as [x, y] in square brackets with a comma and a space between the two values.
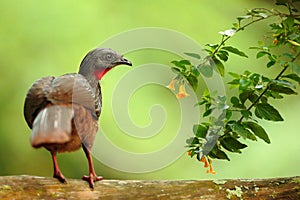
[221, 134]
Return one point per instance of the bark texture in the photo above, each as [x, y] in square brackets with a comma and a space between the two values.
[32, 187]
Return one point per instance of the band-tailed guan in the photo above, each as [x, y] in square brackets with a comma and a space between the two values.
[63, 112]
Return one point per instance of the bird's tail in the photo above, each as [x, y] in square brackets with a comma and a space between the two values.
[53, 125]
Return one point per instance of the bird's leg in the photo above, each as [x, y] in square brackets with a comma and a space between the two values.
[57, 173]
[92, 176]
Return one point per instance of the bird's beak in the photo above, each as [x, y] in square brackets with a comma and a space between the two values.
[123, 61]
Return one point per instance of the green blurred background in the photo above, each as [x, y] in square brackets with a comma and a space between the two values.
[41, 38]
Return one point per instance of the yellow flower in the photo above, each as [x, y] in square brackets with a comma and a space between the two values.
[171, 85]
[182, 93]
[208, 163]
[204, 160]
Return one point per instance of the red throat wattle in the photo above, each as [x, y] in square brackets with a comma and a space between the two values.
[100, 73]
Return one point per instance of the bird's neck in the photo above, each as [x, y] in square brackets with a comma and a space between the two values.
[93, 76]
[99, 73]
[89, 75]
[92, 73]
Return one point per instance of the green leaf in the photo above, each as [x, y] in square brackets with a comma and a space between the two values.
[255, 77]
[258, 131]
[246, 73]
[201, 103]
[246, 113]
[234, 82]
[264, 99]
[268, 112]
[240, 130]
[257, 48]
[175, 70]
[285, 83]
[265, 79]
[194, 55]
[289, 21]
[272, 57]
[206, 70]
[235, 25]
[181, 63]
[234, 75]
[294, 77]
[271, 63]
[275, 95]
[261, 54]
[295, 67]
[234, 100]
[261, 43]
[253, 97]
[281, 89]
[232, 144]
[219, 65]
[228, 114]
[208, 112]
[185, 62]
[244, 83]
[235, 51]
[223, 55]
[195, 71]
[293, 36]
[251, 136]
[288, 55]
[212, 46]
[218, 153]
[200, 130]
[193, 81]
[245, 95]
[192, 141]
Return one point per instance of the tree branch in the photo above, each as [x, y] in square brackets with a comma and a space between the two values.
[32, 187]
[268, 87]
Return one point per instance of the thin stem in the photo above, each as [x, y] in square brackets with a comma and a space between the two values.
[272, 14]
[224, 39]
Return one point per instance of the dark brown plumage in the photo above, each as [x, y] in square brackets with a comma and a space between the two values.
[63, 112]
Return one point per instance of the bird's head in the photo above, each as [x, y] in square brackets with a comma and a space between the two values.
[99, 61]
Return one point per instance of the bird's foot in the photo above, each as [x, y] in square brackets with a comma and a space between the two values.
[58, 175]
[91, 179]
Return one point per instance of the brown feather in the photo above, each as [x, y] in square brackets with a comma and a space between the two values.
[52, 125]
[81, 124]
[35, 98]
[72, 88]
[51, 105]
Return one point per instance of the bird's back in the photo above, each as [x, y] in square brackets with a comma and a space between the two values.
[55, 109]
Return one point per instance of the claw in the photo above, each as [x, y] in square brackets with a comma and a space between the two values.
[91, 179]
[60, 177]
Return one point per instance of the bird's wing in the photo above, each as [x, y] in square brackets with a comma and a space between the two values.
[36, 98]
[72, 88]
[68, 88]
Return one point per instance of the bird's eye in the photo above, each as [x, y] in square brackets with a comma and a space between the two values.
[109, 56]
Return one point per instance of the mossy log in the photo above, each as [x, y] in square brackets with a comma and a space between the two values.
[32, 187]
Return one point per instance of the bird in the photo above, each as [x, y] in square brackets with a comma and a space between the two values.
[62, 112]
